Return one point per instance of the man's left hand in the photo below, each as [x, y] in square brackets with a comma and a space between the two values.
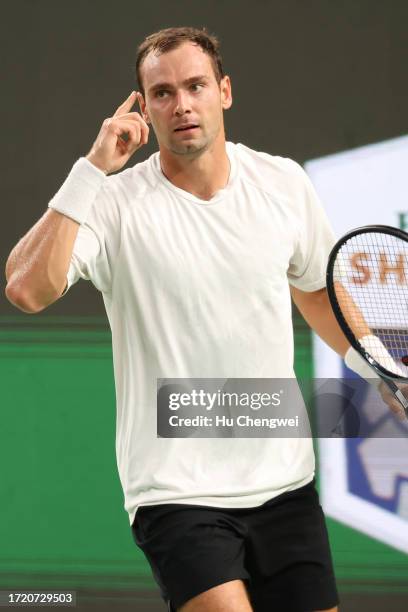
[391, 401]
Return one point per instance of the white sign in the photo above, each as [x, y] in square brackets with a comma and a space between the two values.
[365, 482]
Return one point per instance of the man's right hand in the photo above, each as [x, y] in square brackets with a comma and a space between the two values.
[111, 151]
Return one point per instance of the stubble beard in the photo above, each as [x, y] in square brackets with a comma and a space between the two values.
[195, 148]
[191, 148]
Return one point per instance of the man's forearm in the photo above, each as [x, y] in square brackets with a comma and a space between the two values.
[37, 266]
[316, 309]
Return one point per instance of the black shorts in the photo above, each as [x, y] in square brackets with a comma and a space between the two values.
[280, 549]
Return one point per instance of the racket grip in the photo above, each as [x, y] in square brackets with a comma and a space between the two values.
[398, 394]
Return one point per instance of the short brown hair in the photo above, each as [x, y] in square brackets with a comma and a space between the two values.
[170, 38]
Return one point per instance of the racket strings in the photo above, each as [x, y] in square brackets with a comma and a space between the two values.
[370, 283]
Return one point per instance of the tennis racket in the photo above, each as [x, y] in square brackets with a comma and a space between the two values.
[367, 284]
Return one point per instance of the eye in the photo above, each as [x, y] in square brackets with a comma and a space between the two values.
[161, 93]
[196, 86]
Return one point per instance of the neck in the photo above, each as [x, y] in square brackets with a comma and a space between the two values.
[202, 175]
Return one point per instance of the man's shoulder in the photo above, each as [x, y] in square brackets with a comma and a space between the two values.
[266, 168]
[134, 181]
[266, 162]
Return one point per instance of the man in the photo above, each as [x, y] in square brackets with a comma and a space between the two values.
[193, 250]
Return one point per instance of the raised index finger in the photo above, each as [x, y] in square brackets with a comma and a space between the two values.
[126, 105]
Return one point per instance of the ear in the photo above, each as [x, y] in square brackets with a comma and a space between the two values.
[142, 106]
[226, 93]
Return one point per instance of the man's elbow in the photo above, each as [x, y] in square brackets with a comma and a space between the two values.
[23, 300]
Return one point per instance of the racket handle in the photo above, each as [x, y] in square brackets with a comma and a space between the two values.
[398, 394]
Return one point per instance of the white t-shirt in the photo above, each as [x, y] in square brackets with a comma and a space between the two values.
[200, 289]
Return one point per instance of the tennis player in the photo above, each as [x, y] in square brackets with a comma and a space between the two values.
[197, 251]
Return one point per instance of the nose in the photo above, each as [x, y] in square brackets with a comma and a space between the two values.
[182, 104]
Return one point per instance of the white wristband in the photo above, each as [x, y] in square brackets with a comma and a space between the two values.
[358, 364]
[77, 194]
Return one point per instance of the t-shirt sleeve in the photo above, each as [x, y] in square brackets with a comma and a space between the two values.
[96, 245]
[307, 266]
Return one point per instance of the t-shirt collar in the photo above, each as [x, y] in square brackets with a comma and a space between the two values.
[189, 196]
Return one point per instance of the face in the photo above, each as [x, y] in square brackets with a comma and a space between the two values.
[183, 100]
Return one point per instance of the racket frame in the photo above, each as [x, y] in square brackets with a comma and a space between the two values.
[387, 376]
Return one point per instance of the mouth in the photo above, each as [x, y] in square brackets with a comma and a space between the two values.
[188, 127]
